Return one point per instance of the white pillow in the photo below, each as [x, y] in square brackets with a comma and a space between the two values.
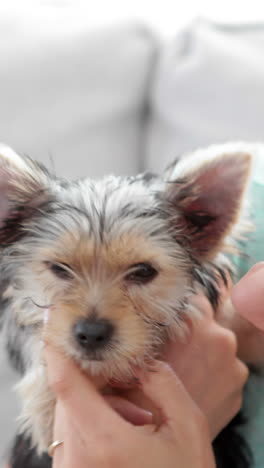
[209, 88]
[74, 96]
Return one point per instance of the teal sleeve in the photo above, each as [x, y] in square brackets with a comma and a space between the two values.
[253, 251]
[253, 248]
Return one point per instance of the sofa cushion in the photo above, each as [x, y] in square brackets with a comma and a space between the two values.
[208, 89]
[74, 98]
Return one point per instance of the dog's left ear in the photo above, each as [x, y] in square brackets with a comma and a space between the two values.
[24, 189]
[205, 197]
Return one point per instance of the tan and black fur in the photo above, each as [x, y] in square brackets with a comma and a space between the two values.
[124, 254]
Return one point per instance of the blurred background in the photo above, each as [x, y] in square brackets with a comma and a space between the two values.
[98, 87]
[91, 88]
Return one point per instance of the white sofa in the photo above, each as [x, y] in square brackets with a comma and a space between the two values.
[122, 101]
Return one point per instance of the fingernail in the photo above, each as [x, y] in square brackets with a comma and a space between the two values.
[45, 317]
[148, 417]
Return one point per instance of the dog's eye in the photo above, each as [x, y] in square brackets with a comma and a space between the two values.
[61, 270]
[141, 273]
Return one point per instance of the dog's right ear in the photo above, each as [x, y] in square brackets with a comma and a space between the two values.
[24, 189]
[205, 192]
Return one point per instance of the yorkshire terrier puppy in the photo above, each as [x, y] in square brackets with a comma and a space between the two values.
[115, 260]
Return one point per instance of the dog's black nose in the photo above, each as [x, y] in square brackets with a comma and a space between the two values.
[93, 334]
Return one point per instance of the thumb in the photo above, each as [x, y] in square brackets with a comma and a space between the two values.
[76, 391]
[248, 296]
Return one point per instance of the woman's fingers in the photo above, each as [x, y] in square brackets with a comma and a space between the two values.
[166, 391]
[129, 411]
[75, 390]
[89, 408]
[208, 366]
[247, 296]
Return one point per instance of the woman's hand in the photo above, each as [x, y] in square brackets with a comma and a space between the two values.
[244, 314]
[248, 296]
[94, 435]
[207, 364]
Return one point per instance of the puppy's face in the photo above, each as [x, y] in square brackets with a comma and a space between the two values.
[114, 261]
[110, 271]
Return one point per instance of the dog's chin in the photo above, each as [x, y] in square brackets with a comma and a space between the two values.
[94, 367]
[107, 380]
[106, 369]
